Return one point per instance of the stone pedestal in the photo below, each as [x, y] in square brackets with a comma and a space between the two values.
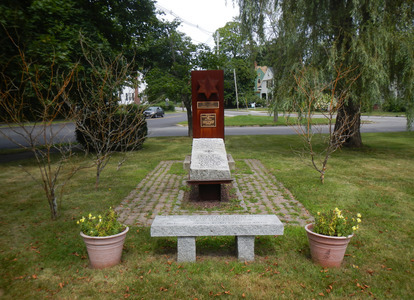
[186, 249]
[245, 248]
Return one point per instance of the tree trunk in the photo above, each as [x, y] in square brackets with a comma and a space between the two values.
[53, 205]
[349, 117]
[187, 103]
[275, 116]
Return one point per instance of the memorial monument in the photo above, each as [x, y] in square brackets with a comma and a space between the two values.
[209, 165]
[207, 88]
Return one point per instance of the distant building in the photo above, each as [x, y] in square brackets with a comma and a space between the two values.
[131, 94]
[263, 82]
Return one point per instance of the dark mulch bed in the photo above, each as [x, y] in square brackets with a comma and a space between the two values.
[192, 197]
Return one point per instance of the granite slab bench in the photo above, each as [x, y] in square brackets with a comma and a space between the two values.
[187, 227]
[209, 167]
[209, 161]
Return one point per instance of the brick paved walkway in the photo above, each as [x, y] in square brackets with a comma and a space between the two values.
[257, 190]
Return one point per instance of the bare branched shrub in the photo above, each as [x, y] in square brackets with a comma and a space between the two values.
[329, 98]
[30, 103]
[102, 125]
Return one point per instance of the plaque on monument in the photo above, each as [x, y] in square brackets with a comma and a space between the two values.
[208, 120]
[207, 103]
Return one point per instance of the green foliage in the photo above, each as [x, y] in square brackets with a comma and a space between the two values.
[235, 56]
[336, 223]
[372, 36]
[101, 225]
[166, 106]
[49, 32]
[393, 104]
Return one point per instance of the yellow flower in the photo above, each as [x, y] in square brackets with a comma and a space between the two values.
[90, 215]
[319, 213]
[359, 220]
[77, 222]
[354, 228]
[358, 215]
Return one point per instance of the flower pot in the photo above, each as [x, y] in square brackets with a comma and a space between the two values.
[104, 251]
[327, 251]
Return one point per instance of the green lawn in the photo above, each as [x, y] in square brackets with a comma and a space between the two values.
[250, 120]
[40, 258]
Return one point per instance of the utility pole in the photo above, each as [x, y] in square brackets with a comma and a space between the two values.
[218, 42]
[235, 86]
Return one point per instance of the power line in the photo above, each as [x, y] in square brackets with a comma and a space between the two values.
[169, 11]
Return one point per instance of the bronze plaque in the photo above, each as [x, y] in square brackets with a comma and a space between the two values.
[208, 120]
[208, 104]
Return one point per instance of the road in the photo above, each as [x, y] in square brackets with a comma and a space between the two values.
[167, 126]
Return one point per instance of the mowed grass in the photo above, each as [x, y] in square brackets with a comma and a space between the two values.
[41, 258]
[250, 120]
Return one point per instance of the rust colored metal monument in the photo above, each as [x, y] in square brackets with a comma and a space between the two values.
[209, 167]
[208, 103]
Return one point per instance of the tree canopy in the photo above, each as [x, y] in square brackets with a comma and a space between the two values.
[49, 33]
[375, 37]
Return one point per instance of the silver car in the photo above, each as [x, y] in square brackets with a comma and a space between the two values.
[154, 112]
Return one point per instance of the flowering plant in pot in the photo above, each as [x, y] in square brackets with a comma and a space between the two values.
[329, 236]
[104, 237]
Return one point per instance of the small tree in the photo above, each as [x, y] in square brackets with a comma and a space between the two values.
[30, 122]
[329, 98]
[102, 125]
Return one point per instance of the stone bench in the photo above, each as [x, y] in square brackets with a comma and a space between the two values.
[209, 167]
[187, 227]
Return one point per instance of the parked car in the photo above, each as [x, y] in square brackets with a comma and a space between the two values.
[154, 112]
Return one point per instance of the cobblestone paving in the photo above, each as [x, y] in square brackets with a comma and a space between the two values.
[161, 193]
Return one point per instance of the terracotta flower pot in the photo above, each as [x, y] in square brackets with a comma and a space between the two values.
[104, 251]
[327, 251]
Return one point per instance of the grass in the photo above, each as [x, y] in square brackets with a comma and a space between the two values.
[41, 258]
[380, 113]
[249, 120]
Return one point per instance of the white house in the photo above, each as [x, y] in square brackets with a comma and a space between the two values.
[267, 84]
[264, 81]
[131, 94]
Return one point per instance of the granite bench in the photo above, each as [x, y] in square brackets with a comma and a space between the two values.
[187, 227]
[209, 167]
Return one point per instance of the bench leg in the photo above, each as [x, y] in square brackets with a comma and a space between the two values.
[186, 249]
[245, 248]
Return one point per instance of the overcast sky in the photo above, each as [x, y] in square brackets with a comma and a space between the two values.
[199, 18]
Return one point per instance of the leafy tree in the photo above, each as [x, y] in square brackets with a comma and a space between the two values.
[231, 42]
[235, 55]
[171, 76]
[373, 36]
[50, 30]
